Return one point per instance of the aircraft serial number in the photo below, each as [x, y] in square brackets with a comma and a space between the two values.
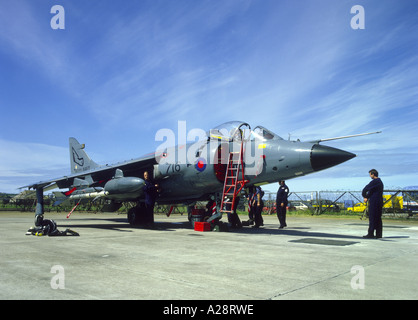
[172, 168]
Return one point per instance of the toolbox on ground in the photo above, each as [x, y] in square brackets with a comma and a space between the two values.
[201, 226]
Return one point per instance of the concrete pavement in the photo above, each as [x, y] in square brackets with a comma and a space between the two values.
[314, 258]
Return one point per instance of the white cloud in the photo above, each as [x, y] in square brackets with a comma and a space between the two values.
[25, 163]
[23, 156]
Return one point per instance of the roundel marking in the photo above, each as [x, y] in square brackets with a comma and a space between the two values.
[200, 164]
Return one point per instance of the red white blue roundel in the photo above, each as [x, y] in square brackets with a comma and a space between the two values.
[200, 164]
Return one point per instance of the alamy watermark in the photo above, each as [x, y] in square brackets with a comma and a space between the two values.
[358, 280]
[58, 280]
[358, 21]
[186, 147]
[58, 20]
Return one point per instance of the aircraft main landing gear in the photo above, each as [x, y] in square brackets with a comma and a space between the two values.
[138, 215]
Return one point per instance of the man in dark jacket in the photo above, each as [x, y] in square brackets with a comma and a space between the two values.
[151, 193]
[281, 203]
[251, 208]
[373, 194]
[258, 204]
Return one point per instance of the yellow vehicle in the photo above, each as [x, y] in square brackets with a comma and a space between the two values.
[392, 202]
[326, 205]
[389, 203]
[358, 207]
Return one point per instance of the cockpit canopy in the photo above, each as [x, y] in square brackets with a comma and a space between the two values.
[232, 130]
[238, 130]
[264, 134]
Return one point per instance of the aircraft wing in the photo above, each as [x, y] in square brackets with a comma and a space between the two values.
[98, 175]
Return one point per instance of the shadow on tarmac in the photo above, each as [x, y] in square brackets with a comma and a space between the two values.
[121, 225]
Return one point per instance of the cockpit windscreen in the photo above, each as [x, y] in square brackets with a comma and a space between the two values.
[264, 134]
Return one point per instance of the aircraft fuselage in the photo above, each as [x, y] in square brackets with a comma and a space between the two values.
[275, 160]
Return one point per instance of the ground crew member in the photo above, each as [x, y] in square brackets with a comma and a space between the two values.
[151, 193]
[373, 194]
[251, 208]
[281, 203]
[258, 204]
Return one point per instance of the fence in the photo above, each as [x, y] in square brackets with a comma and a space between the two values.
[319, 202]
[313, 202]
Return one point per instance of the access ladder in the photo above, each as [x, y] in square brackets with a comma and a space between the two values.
[234, 180]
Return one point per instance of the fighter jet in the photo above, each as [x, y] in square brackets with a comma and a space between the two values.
[226, 160]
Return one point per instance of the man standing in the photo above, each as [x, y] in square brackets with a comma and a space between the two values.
[150, 190]
[258, 204]
[281, 203]
[373, 194]
[251, 207]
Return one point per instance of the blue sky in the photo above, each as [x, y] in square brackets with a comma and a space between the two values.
[120, 71]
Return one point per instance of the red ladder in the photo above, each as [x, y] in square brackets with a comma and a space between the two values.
[231, 189]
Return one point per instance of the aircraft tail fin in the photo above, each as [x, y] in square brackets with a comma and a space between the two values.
[79, 159]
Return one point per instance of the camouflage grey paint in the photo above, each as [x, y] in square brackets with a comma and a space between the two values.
[202, 175]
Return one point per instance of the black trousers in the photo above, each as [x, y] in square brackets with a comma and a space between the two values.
[258, 218]
[149, 213]
[375, 220]
[281, 214]
[251, 213]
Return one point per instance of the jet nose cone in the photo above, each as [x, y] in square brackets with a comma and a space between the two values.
[323, 157]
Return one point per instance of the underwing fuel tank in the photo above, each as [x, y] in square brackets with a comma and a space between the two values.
[125, 185]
